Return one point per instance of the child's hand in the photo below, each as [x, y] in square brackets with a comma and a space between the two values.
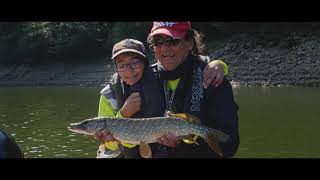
[132, 105]
[213, 74]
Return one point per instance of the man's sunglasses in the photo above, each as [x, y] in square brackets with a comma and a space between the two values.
[170, 42]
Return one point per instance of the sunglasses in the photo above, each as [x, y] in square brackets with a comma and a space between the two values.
[170, 42]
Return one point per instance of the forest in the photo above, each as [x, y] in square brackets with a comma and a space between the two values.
[51, 42]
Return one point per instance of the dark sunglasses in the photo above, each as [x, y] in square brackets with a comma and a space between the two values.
[171, 42]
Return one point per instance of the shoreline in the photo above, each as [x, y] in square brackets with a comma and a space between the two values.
[254, 60]
[97, 75]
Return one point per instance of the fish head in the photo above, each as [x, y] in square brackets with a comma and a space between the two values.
[87, 127]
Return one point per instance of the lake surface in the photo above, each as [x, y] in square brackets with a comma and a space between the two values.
[274, 122]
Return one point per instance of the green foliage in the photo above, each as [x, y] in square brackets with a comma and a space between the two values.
[134, 30]
[47, 42]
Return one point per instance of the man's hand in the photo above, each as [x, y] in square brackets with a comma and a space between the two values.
[213, 74]
[168, 114]
[132, 105]
[169, 140]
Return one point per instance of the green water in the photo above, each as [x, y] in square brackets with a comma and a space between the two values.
[279, 122]
[274, 122]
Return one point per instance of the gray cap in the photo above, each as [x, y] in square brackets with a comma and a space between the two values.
[129, 45]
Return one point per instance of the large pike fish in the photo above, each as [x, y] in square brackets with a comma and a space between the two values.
[142, 131]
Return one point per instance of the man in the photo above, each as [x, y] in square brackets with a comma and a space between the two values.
[177, 47]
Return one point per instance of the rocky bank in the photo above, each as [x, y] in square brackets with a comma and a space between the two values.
[254, 59]
[263, 60]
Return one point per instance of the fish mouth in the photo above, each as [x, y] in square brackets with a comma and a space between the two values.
[72, 127]
[73, 124]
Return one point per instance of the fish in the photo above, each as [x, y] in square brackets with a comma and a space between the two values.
[143, 131]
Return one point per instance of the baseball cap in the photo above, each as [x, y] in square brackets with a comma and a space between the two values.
[176, 30]
[128, 45]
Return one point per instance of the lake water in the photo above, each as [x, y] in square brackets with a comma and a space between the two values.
[274, 122]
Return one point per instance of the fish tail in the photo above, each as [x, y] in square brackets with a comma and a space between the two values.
[214, 138]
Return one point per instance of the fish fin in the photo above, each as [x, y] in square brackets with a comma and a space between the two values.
[213, 137]
[188, 117]
[220, 136]
[145, 150]
[191, 139]
[210, 139]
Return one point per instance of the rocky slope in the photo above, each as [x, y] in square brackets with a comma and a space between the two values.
[254, 59]
[263, 60]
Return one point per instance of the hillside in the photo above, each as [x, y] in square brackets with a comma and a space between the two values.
[274, 54]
